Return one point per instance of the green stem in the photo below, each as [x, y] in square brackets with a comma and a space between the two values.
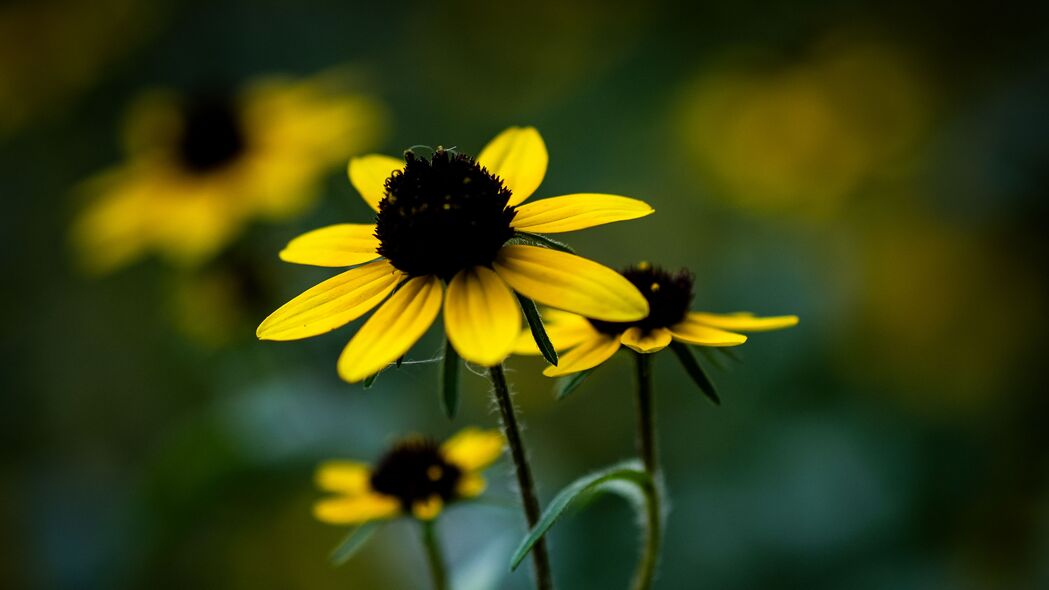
[529, 499]
[434, 556]
[646, 448]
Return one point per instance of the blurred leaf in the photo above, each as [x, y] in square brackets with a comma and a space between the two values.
[628, 474]
[486, 569]
[449, 386]
[352, 543]
[699, 376]
[545, 242]
[566, 385]
[370, 380]
[535, 323]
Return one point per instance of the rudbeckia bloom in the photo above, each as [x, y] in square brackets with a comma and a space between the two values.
[417, 477]
[446, 229]
[200, 167]
[591, 341]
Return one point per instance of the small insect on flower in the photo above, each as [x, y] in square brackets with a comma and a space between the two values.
[591, 341]
[445, 229]
[417, 477]
[200, 166]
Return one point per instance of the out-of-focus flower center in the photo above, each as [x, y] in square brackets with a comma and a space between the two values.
[442, 215]
[212, 134]
[414, 470]
[669, 296]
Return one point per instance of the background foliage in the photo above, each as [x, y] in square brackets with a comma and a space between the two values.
[877, 168]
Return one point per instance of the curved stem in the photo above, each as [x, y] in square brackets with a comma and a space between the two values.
[434, 555]
[646, 448]
[529, 499]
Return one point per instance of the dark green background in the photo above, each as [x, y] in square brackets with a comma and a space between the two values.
[870, 447]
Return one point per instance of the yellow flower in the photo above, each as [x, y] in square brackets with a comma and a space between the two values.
[198, 168]
[445, 228]
[416, 476]
[591, 341]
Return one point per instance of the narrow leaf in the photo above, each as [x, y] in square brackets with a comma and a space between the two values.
[535, 324]
[566, 385]
[370, 380]
[730, 352]
[449, 386]
[708, 354]
[629, 472]
[541, 240]
[699, 376]
[352, 543]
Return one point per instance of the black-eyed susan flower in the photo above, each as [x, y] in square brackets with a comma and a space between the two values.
[591, 341]
[416, 477]
[200, 166]
[444, 236]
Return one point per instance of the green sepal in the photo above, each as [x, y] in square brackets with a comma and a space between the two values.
[370, 380]
[535, 324]
[352, 543]
[628, 478]
[449, 385]
[544, 241]
[567, 384]
[695, 371]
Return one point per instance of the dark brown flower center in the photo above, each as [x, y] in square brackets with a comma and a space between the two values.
[669, 296]
[212, 134]
[442, 215]
[415, 470]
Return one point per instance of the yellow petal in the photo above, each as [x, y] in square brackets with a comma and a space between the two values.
[349, 477]
[481, 316]
[369, 173]
[587, 355]
[652, 341]
[470, 485]
[472, 448]
[344, 244]
[392, 330]
[572, 212]
[331, 304]
[564, 333]
[694, 332]
[744, 321]
[517, 156]
[572, 283]
[356, 509]
[427, 509]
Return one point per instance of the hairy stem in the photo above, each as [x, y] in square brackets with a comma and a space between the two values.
[529, 499]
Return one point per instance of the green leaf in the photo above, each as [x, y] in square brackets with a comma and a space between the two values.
[370, 380]
[449, 386]
[699, 376]
[535, 324]
[708, 354]
[566, 385]
[628, 474]
[541, 240]
[352, 543]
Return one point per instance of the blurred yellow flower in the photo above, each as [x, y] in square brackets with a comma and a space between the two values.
[417, 476]
[443, 228]
[200, 167]
[803, 137]
[591, 342]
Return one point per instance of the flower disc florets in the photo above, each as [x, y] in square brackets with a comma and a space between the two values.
[212, 134]
[442, 215]
[669, 296]
[415, 471]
